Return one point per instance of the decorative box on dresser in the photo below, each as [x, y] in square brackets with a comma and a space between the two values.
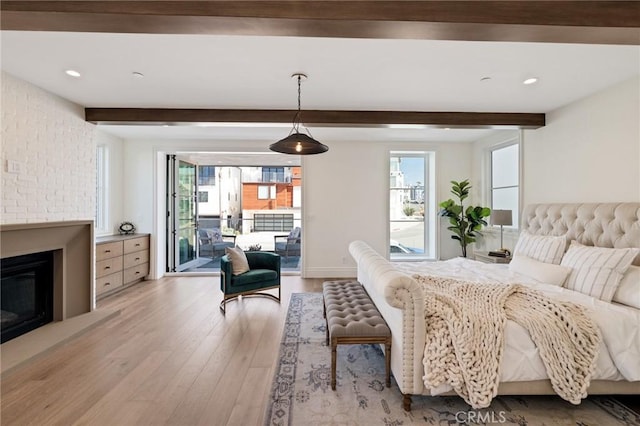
[121, 260]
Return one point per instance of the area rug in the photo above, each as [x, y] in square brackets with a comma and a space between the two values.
[301, 391]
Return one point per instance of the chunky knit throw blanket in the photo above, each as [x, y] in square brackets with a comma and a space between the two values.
[465, 337]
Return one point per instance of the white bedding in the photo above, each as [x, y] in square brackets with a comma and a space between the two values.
[619, 355]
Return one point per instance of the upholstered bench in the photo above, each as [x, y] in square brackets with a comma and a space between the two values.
[352, 318]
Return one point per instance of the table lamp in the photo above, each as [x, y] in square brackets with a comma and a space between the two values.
[502, 218]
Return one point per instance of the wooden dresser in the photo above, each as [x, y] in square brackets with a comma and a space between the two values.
[121, 260]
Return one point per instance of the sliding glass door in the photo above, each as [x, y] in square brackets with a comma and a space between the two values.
[182, 199]
[214, 203]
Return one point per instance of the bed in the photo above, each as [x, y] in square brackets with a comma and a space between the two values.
[395, 290]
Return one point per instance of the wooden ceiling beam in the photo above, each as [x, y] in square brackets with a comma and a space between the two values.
[603, 22]
[161, 116]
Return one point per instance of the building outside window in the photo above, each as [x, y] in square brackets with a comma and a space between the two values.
[273, 174]
[505, 179]
[206, 175]
[266, 192]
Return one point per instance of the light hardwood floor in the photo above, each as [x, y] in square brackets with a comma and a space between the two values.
[170, 357]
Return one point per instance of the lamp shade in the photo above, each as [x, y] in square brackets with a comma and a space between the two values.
[501, 217]
[300, 144]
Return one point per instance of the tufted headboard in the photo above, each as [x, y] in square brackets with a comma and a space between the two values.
[595, 224]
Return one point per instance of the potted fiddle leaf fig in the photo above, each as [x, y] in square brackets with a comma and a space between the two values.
[465, 223]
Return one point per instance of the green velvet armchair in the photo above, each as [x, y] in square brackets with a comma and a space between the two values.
[263, 274]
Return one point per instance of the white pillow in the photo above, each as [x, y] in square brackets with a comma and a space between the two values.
[597, 271]
[545, 248]
[239, 262]
[544, 272]
[628, 292]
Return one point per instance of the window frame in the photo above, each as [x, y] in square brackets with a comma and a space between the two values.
[490, 187]
[272, 193]
[277, 173]
[430, 236]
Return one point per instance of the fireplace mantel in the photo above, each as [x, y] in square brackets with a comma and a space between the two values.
[74, 298]
[73, 240]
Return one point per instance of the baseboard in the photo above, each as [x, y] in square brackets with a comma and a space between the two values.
[330, 272]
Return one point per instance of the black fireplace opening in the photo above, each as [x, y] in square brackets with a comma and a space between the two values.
[26, 293]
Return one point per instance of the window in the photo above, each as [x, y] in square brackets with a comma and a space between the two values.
[266, 192]
[101, 224]
[412, 209]
[203, 196]
[206, 175]
[273, 174]
[505, 179]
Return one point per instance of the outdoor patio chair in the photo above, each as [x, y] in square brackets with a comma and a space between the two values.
[212, 243]
[291, 244]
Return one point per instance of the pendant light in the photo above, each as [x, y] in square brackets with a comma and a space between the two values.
[298, 143]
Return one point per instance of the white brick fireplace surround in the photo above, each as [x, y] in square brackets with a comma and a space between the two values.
[73, 295]
[48, 156]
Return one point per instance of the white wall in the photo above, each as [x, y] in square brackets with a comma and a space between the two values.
[54, 149]
[589, 151]
[115, 180]
[345, 198]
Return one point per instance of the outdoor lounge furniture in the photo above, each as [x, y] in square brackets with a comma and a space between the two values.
[213, 242]
[263, 274]
[288, 245]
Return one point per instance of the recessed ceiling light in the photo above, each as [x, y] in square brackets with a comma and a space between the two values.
[137, 74]
[530, 80]
[72, 73]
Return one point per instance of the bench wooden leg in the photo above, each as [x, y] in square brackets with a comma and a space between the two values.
[387, 356]
[327, 334]
[334, 347]
[406, 402]
[326, 320]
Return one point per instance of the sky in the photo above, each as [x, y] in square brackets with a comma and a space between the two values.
[413, 169]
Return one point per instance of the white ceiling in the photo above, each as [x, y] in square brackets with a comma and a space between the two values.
[247, 72]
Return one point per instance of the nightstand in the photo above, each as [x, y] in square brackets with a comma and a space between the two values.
[483, 256]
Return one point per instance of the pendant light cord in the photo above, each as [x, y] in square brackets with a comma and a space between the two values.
[297, 119]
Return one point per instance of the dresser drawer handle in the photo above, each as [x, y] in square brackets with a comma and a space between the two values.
[137, 272]
[137, 258]
[107, 267]
[106, 284]
[137, 244]
[107, 251]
